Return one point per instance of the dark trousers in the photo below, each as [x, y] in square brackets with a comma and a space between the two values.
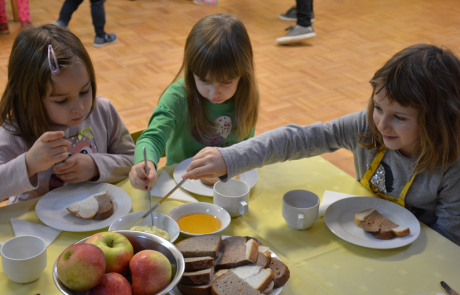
[304, 10]
[97, 14]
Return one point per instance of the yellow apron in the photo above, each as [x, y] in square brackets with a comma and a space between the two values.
[370, 171]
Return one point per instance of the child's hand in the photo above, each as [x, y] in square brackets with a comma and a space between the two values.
[138, 177]
[207, 163]
[49, 149]
[77, 168]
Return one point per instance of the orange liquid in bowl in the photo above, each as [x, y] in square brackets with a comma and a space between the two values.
[199, 223]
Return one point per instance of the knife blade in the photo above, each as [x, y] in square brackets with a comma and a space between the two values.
[161, 201]
[448, 289]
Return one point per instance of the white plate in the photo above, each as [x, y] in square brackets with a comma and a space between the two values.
[339, 217]
[276, 291]
[51, 208]
[197, 187]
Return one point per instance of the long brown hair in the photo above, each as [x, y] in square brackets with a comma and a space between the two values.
[29, 74]
[427, 78]
[219, 47]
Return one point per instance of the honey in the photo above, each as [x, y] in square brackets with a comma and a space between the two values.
[199, 223]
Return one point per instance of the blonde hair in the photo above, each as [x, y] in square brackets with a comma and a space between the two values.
[427, 78]
[219, 47]
[21, 108]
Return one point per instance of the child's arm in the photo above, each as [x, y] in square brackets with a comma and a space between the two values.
[288, 143]
[19, 168]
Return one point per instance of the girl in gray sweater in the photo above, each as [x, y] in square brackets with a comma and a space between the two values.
[406, 144]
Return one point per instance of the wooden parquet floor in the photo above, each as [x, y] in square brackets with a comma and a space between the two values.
[317, 80]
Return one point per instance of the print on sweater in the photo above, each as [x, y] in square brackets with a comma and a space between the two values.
[85, 145]
[224, 126]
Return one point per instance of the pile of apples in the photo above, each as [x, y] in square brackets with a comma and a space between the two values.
[98, 266]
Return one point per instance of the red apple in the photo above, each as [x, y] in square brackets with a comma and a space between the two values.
[81, 266]
[112, 284]
[150, 272]
[117, 249]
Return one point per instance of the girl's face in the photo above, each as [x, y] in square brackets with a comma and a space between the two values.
[397, 124]
[217, 92]
[69, 102]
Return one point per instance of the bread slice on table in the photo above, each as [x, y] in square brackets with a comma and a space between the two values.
[257, 277]
[380, 226]
[230, 284]
[199, 277]
[281, 272]
[236, 252]
[204, 289]
[206, 245]
[87, 208]
[105, 207]
[198, 263]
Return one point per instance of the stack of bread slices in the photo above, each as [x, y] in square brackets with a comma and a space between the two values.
[235, 265]
[98, 206]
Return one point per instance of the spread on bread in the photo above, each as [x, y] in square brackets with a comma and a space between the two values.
[381, 227]
[235, 265]
[152, 229]
[98, 206]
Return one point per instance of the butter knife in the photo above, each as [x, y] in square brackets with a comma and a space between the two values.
[161, 201]
[448, 289]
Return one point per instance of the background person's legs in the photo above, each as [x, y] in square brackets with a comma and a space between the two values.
[303, 29]
[98, 15]
[68, 8]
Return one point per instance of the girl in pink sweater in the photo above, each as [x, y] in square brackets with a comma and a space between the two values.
[24, 17]
[54, 129]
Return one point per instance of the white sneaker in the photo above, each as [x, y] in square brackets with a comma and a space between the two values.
[296, 33]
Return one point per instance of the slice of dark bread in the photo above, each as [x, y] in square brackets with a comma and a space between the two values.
[235, 252]
[105, 207]
[199, 277]
[204, 289]
[281, 272]
[198, 263]
[206, 245]
[230, 284]
[380, 226]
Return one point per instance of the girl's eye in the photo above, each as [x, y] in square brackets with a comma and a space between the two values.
[61, 101]
[84, 92]
[400, 118]
[227, 82]
[377, 107]
[204, 81]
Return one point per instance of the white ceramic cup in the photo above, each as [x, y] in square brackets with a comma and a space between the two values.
[23, 258]
[300, 209]
[233, 196]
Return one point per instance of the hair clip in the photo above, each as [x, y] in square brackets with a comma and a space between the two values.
[56, 70]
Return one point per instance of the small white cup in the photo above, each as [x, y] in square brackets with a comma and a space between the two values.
[233, 196]
[300, 209]
[23, 258]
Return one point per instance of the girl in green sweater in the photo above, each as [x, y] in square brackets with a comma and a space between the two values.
[215, 103]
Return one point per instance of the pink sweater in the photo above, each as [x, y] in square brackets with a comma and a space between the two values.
[112, 149]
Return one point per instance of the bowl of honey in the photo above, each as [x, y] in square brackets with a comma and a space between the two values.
[195, 219]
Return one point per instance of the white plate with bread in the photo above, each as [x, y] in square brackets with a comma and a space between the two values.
[387, 226]
[198, 187]
[229, 265]
[83, 207]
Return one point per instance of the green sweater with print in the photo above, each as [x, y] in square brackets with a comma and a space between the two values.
[168, 131]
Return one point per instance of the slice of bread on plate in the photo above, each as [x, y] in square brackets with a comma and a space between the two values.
[199, 277]
[206, 245]
[257, 277]
[237, 252]
[105, 207]
[198, 263]
[89, 207]
[230, 284]
[281, 272]
[380, 226]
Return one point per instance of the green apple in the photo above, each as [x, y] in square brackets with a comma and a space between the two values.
[81, 266]
[117, 249]
[150, 272]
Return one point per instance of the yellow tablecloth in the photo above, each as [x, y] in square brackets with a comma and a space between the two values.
[319, 261]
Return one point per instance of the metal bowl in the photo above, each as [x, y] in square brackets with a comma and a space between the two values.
[140, 241]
